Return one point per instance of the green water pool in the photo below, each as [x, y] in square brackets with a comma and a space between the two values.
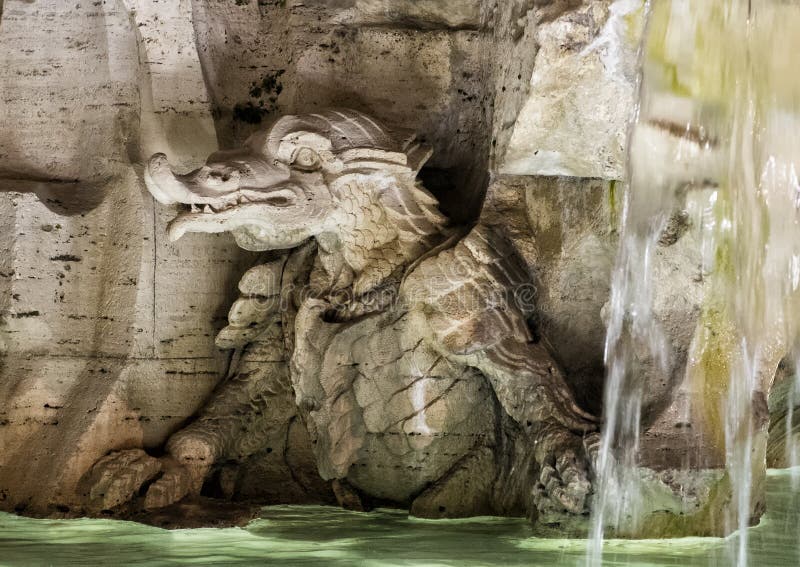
[303, 535]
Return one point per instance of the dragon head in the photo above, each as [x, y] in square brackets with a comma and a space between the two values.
[301, 177]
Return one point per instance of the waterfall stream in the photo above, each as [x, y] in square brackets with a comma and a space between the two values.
[714, 150]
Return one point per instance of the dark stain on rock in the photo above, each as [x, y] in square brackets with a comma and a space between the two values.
[248, 112]
[66, 258]
[25, 314]
[264, 97]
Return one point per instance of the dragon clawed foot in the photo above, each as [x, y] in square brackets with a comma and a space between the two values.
[121, 477]
[176, 483]
[566, 468]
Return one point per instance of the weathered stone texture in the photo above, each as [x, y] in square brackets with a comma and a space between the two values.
[418, 14]
[566, 229]
[100, 351]
[574, 121]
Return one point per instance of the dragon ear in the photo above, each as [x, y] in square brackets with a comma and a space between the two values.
[418, 155]
[342, 139]
[417, 152]
[409, 159]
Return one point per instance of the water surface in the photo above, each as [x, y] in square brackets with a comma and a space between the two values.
[323, 536]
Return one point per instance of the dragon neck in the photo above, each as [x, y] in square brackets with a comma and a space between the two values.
[390, 224]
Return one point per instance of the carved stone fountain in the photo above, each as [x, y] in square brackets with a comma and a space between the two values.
[407, 357]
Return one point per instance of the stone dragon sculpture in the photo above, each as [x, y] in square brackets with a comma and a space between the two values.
[407, 354]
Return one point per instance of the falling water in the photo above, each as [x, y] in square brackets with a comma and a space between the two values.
[715, 141]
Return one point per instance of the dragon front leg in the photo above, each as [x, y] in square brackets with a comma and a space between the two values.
[472, 303]
[532, 390]
[243, 413]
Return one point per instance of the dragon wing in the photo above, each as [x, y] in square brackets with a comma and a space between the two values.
[473, 301]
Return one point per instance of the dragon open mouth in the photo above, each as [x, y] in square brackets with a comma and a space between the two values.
[276, 198]
[221, 199]
[241, 212]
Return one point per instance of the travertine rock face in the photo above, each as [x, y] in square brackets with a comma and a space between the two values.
[99, 352]
[421, 14]
[574, 120]
[566, 230]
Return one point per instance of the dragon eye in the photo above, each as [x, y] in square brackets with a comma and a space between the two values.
[306, 159]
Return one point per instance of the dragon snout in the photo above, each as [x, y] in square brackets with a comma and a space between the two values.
[162, 182]
[221, 179]
[205, 185]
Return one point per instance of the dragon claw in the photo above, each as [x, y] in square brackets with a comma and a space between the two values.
[564, 484]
